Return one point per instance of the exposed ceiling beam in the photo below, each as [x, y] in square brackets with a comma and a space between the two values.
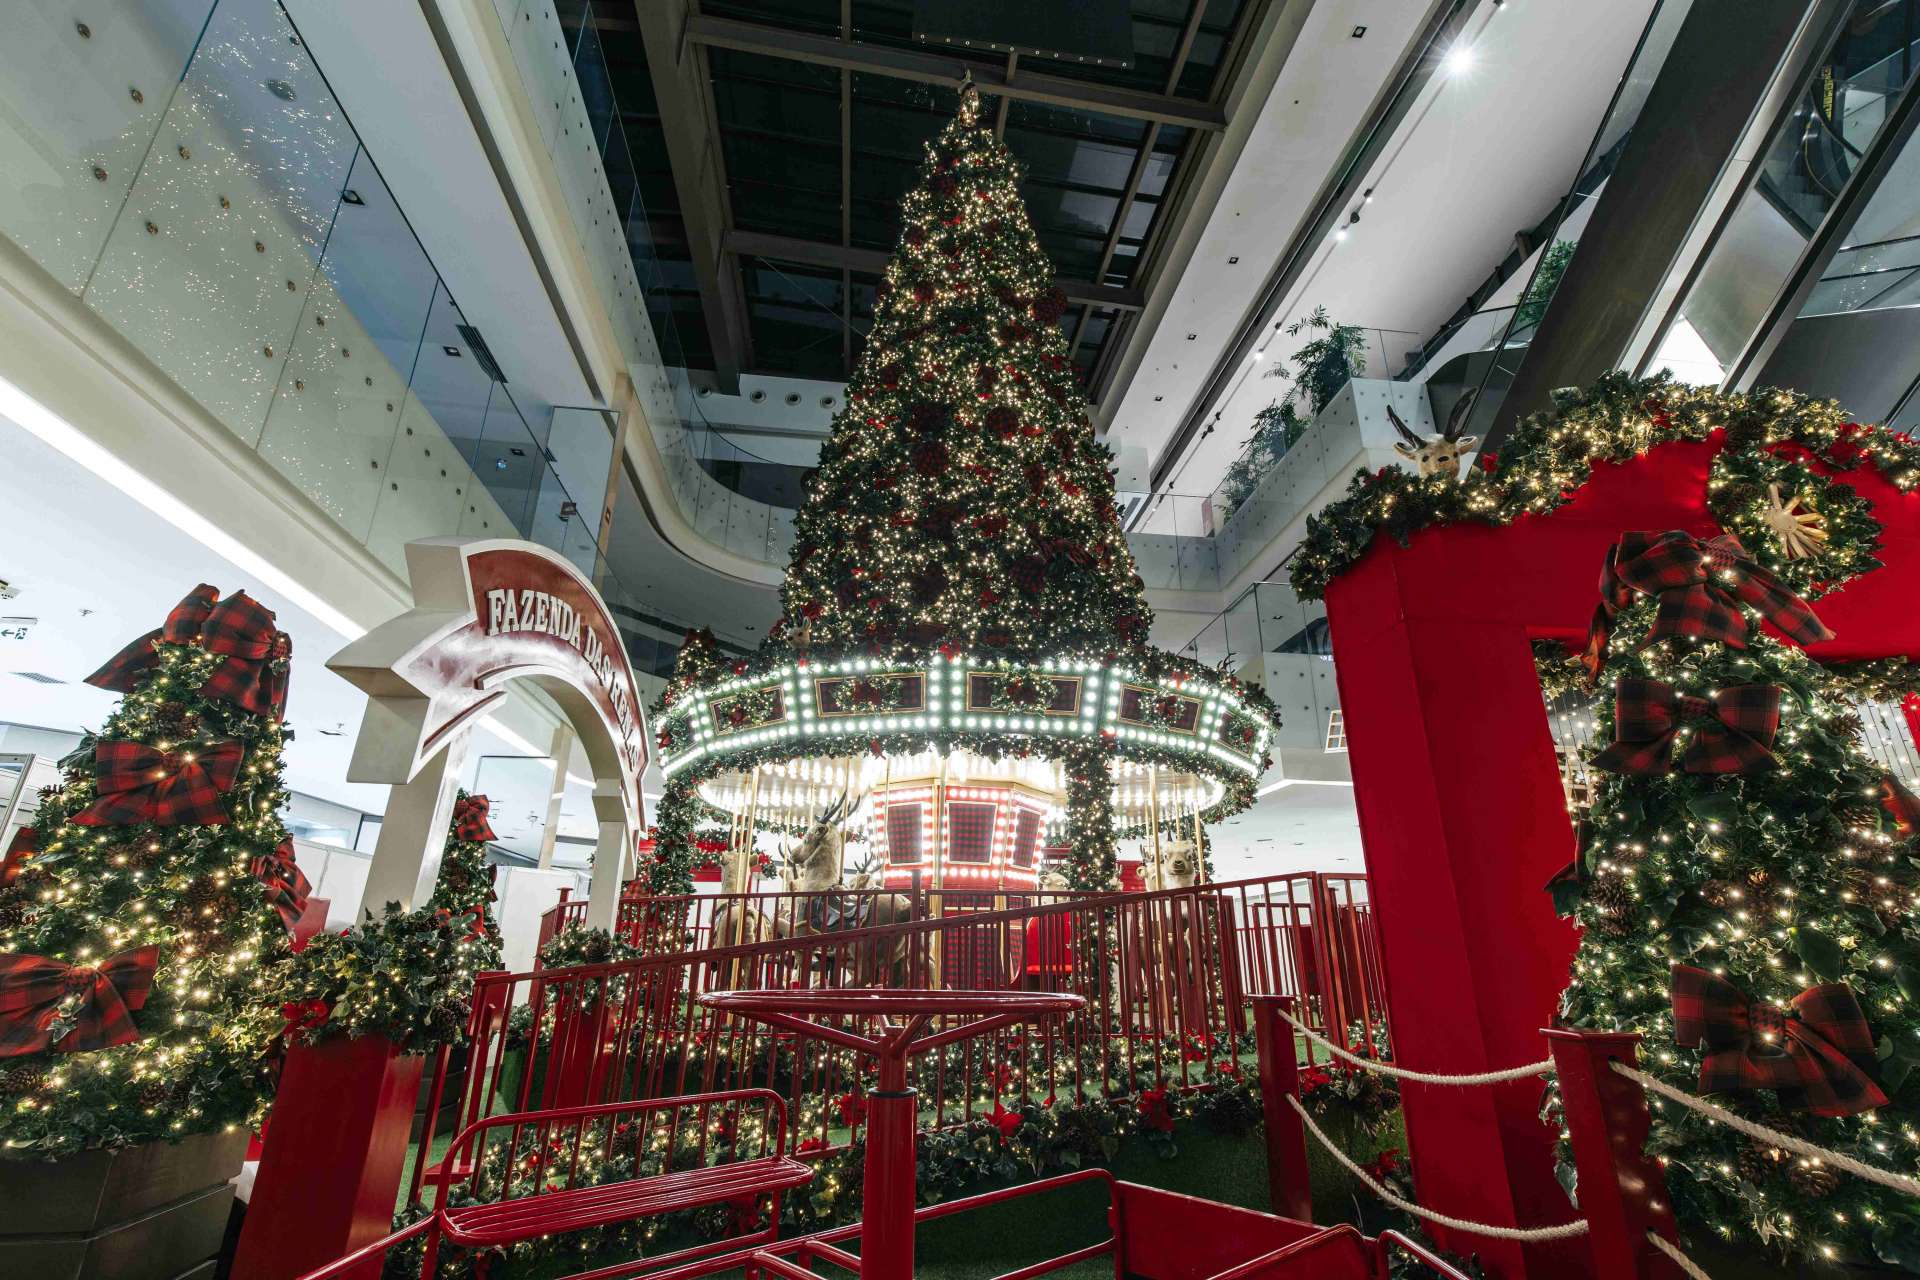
[906, 64]
[818, 253]
[683, 90]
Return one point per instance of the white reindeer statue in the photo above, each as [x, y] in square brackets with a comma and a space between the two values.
[1437, 455]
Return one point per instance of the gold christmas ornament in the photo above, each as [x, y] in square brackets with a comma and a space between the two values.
[1801, 533]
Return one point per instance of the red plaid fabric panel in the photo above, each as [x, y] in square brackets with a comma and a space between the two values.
[903, 833]
[970, 831]
[47, 1004]
[254, 676]
[26, 843]
[470, 819]
[287, 887]
[123, 671]
[137, 783]
[1733, 731]
[1818, 1054]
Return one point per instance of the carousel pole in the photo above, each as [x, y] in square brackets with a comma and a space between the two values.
[739, 858]
[1199, 846]
[1154, 879]
[936, 904]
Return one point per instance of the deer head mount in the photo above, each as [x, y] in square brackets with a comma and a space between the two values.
[1439, 455]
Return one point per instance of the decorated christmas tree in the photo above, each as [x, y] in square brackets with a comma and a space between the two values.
[1745, 880]
[465, 889]
[139, 941]
[962, 499]
[960, 600]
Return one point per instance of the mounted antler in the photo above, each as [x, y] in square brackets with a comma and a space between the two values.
[1440, 455]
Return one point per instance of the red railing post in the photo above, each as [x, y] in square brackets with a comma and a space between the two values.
[1288, 1188]
[1623, 1193]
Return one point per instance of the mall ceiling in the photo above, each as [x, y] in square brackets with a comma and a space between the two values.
[772, 141]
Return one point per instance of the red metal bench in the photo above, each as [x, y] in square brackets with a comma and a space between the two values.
[550, 1167]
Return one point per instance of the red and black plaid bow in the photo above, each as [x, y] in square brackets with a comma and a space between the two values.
[47, 1005]
[1700, 586]
[138, 783]
[1817, 1054]
[1732, 731]
[470, 820]
[287, 887]
[254, 676]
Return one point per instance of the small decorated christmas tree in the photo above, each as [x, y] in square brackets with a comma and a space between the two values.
[465, 889]
[139, 941]
[1745, 897]
[962, 499]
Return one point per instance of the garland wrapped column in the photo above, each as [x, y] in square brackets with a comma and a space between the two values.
[1091, 858]
[671, 871]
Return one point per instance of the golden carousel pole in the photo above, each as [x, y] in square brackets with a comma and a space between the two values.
[739, 859]
[935, 899]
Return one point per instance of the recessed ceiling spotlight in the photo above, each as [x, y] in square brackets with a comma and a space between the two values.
[1341, 234]
[826, 402]
[1359, 33]
[1192, 336]
[1234, 260]
[452, 351]
[757, 396]
[793, 397]
[1459, 59]
[281, 90]
[1366, 197]
[350, 196]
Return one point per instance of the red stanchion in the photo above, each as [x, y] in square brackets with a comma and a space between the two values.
[1289, 1189]
[1623, 1193]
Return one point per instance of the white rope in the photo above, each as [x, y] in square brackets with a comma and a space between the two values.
[1785, 1141]
[1565, 1231]
[1544, 1067]
[1680, 1259]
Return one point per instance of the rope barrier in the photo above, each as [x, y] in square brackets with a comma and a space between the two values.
[1785, 1141]
[1544, 1067]
[1565, 1231]
[1680, 1259]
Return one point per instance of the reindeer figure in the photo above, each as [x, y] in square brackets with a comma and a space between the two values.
[813, 869]
[1441, 454]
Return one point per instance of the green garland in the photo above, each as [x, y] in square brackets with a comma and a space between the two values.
[1022, 691]
[403, 976]
[1092, 843]
[465, 889]
[1769, 435]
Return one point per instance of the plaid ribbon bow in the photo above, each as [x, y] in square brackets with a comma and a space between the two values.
[1700, 586]
[138, 783]
[254, 675]
[47, 1005]
[470, 820]
[287, 886]
[1732, 731]
[1816, 1054]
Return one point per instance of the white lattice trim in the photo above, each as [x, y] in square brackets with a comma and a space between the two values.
[1565, 1231]
[1544, 1067]
[1785, 1141]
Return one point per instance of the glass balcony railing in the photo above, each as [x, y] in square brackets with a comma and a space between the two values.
[1271, 638]
[184, 170]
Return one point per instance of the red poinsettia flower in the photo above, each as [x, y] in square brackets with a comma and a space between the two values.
[1007, 1122]
[1154, 1111]
[852, 1108]
[1314, 1078]
[1383, 1164]
[304, 1015]
[1490, 460]
[811, 1145]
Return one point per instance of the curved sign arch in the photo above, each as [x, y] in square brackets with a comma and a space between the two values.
[488, 612]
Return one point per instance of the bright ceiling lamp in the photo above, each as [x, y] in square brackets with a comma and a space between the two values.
[46, 425]
[1459, 59]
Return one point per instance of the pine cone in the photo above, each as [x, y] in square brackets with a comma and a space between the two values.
[15, 914]
[175, 721]
[1760, 1161]
[1814, 1180]
[155, 1092]
[1761, 890]
[1610, 896]
[1858, 811]
[18, 1082]
[203, 892]
[1718, 893]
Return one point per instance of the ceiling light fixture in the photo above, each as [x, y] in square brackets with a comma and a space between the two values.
[1459, 59]
[44, 424]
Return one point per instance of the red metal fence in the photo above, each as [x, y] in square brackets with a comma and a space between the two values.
[1167, 977]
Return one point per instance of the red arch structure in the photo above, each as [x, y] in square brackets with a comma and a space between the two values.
[1461, 811]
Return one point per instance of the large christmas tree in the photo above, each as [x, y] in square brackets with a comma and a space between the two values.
[962, 498]
[464, 888]
[1745, 889]
[139, 941]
